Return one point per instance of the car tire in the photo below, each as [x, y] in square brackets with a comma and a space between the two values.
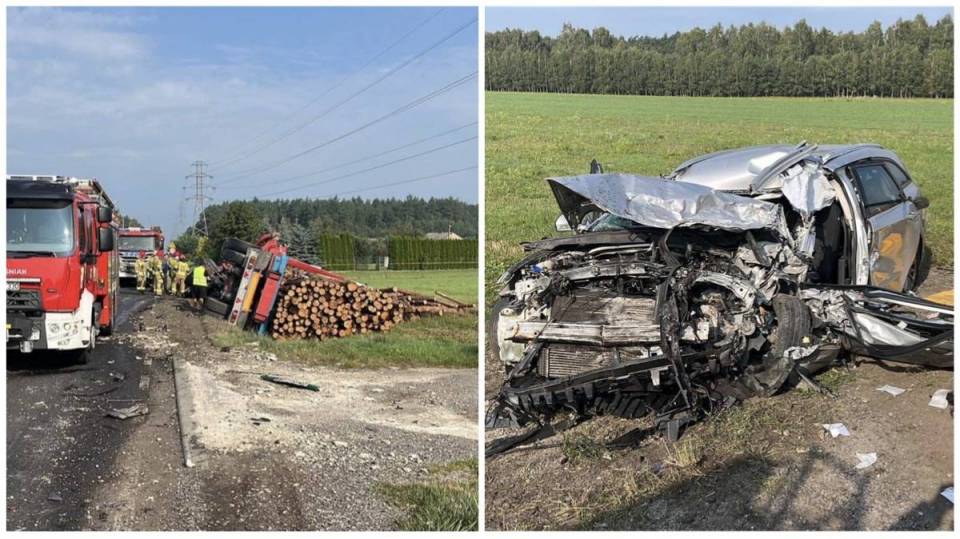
[793, 323]
[920, 269]
[216, 306]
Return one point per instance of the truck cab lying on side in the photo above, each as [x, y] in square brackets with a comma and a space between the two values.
[62, 263]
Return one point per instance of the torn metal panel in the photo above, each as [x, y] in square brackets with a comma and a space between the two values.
[807, 188]
[660, 203]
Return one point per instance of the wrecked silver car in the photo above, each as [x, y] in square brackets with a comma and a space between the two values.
[739, 273]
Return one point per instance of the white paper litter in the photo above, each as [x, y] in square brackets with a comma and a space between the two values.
[939, 399]
[836, 429]
[948, 494]
[866, 460]
[893, 390]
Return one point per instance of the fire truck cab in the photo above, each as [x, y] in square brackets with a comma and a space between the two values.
[136, 240]
[62, 264]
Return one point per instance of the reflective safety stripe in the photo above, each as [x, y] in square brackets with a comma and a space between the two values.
[199, 278]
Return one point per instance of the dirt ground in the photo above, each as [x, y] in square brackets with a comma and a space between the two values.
[766, 464]
[271, 457]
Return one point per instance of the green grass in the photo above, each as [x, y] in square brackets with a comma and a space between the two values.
[446, 501]
[460, 284]
[530, 137]
[448, 341]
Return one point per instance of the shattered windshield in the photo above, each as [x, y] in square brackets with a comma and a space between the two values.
[609, 222]
[39, 227]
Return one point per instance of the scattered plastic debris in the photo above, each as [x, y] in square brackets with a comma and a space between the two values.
[54, 497]
[288, 382]
[128, 412]
[939, 399]
[258, 420]
[948, 494]
[836, 429]
[866, 460]
[893, 390]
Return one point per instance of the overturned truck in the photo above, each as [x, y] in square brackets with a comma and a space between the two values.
[738, 274]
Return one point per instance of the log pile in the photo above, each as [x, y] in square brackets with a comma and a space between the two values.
[310, 307]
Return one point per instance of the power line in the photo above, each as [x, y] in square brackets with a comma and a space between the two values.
[402, 182]
[395, 161]
[199, 197]
[358, 160]
[359, 92]
[336, 85]
[412, 104]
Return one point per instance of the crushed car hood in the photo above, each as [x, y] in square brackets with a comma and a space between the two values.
[660, 203]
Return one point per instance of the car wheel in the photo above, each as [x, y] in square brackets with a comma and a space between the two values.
[920, 269]
[793, 323]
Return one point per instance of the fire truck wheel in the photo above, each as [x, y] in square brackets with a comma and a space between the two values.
[106, 331]
[216, 306]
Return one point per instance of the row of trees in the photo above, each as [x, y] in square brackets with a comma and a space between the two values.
[911, 58]
[407, 253]
[336, 233]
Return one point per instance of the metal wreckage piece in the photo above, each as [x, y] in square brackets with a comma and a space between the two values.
[703, 304]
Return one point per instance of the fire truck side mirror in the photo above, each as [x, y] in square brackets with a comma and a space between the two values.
[105, 238]
[104, 215]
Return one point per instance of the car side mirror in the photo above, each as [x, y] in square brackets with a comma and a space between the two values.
[104, 214]
[921, 202]
[562, 225]
[105, 238]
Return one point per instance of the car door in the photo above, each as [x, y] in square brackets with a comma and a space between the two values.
[895, 222]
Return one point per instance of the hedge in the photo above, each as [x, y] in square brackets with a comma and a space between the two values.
[337, 251]
[410, 253]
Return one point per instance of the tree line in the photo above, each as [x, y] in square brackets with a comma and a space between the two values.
[342, 227]
[911, 58]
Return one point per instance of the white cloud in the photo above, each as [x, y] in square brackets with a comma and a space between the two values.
[74, 33]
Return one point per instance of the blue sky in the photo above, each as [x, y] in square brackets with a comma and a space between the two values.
[133, 95]
[656, 21]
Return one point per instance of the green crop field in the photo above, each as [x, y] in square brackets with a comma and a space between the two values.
[533, 136]
[460, 284]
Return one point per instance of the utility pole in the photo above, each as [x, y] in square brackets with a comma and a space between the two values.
[199, 197]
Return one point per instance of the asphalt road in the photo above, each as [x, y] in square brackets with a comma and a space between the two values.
[60, 445]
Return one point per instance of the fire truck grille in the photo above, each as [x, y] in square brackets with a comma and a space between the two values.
[23, 300]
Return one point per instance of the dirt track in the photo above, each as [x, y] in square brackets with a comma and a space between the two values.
[268, 457]
[767, 464]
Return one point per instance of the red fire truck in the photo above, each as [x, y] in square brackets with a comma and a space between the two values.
[136, 240]
[62, 263]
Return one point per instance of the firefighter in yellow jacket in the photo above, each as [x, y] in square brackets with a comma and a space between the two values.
[156, 273]
[182, 269]
[140, 268]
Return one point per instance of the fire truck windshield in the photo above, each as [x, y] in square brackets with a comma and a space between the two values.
[39, 227]
[138, 243]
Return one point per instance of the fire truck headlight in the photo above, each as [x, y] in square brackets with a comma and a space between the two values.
[53, 328]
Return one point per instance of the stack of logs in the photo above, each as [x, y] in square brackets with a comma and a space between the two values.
[317, 308]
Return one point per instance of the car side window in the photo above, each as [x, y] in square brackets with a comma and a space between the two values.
[878, 189]
[898, 175]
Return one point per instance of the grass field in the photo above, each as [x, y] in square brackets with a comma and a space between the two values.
[459, 284]
[446, 500]
[530, 137]
[444, 341]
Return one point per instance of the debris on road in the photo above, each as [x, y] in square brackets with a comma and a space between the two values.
[128, 412]
[54, 497]
[866, 460]
[939, 399]
[836, 429]
[948, 494]
[893, 390]
[288, 382]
